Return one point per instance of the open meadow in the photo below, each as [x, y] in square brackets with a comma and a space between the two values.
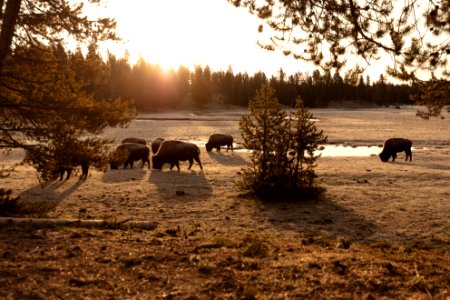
[379, 231]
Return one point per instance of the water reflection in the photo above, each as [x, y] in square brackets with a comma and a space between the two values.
[341, 150]
[329, 150]
[337, 150]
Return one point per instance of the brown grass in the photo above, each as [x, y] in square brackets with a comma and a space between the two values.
[380, 231]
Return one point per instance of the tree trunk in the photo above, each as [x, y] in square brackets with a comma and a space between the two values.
[7, 28]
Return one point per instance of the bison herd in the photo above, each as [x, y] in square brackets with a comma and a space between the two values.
[164, 151]
[172, 152]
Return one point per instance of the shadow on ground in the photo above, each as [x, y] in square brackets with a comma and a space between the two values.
[191, 184]
[119, 175]
[48, 196]
[319, 217]
[227, 158]
[323, 217]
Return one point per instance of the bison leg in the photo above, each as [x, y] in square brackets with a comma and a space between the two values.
[84, 172]
[197, 159]
[218, 148]
[408, 153]
[394, 156]
[191, 161]
[175, 163]
[69, 172]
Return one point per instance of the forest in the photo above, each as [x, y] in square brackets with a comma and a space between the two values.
[154, 88]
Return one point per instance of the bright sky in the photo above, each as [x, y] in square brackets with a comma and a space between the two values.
[196, 32]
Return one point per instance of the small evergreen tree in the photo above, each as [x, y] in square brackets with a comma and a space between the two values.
[435, 95]
[283, 148]
[305, 142]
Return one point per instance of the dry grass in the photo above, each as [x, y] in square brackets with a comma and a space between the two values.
[380, 231]
[75, 263]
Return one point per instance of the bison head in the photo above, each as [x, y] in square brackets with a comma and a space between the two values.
[384, 156]
[209, 147]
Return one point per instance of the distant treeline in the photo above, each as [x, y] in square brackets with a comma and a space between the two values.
[152, 87]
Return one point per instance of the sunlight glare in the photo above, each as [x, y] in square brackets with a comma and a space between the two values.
[190, 33]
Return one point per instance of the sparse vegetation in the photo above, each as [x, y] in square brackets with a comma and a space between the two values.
[132, 265]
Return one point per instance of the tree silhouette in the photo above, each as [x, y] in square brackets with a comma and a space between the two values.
[201, 86]
[326, 33]
[49, 97]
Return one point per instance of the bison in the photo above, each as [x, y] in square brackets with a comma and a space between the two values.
[128, 153]
[134, 140]
[61, 169]
[393, 146]
[155, 144]
[216, 140]
[173, 151]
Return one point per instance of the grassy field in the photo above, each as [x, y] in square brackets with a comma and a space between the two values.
[380, 231]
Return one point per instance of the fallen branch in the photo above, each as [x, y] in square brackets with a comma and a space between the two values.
[97, 224]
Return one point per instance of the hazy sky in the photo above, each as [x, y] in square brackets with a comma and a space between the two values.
[196, 32]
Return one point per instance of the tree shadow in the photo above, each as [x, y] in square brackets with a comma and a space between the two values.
[324, 217]
[321, 217]
[189, 184]
[112, 176]
[51, 193]
[230, 158]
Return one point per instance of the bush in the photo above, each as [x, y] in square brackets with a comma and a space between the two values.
[283, 145]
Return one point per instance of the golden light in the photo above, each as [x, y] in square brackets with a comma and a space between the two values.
[190, 33]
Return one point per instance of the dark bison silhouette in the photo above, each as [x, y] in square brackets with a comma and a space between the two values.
[217, 140]
[172, 152]
[61, 169]
[394, 145]
[155, 144]
[134, 140]
[128, 153]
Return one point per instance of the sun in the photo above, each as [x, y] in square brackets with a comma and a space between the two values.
[159, 33]
[193, 33]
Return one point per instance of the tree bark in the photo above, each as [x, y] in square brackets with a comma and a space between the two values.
[7, 28]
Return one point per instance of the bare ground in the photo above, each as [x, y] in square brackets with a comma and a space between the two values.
[380, 231]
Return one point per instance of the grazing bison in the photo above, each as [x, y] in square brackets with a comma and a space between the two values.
[134, 140]
[155, 144]
[216, 140]
[128, 153]
[173, 151]
[393, 146]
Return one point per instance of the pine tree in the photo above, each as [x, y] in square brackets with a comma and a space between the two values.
[282, 148]
[326, 33]
[306, 141]
[53, 103]
[435, 95]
